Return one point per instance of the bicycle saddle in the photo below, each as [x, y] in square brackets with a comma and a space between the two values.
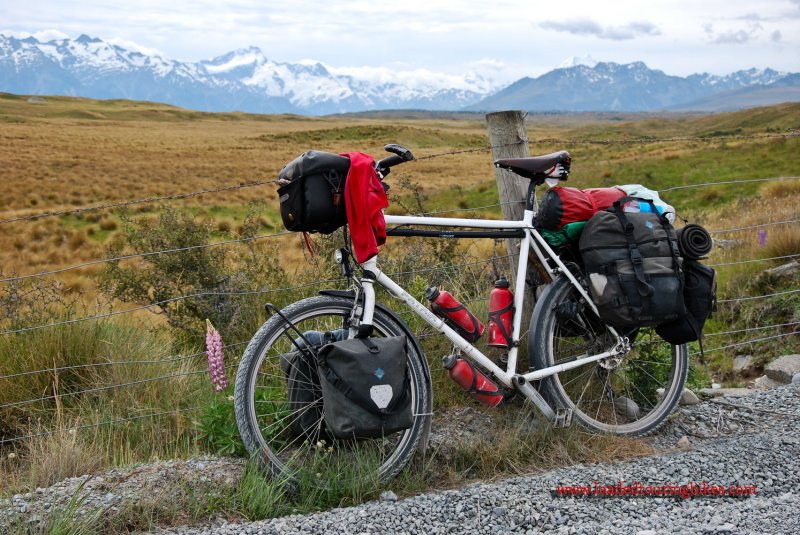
[539, 168]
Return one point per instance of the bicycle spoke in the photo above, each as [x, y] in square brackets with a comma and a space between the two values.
[615, 394]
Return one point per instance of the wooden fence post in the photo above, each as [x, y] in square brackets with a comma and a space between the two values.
[509, 139]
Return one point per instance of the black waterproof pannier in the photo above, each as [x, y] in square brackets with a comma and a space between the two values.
[311, 192]
[365, 387]
[304, 393]
[700, 297]
[633, 267]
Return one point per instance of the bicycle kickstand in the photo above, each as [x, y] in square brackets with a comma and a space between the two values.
[559, 418]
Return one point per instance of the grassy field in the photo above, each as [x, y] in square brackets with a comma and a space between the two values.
[67, 153]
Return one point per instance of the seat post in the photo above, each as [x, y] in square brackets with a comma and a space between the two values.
[530, 198]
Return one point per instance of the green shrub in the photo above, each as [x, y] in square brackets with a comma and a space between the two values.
[197, 283]
[217, 426]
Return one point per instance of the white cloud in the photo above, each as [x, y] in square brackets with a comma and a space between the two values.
[50, 35]
[736, 36]
[487, 64]
[43, 35]
[585, 26]
[134, 46]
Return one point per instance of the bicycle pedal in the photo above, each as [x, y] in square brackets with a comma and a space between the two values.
[563, 418]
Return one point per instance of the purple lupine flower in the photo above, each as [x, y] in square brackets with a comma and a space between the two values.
[762, 238]
[216, 366]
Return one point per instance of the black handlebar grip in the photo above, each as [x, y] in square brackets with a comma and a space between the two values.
[389, 161]
[400, 150]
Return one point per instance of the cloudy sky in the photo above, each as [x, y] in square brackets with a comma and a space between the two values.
[502, 39]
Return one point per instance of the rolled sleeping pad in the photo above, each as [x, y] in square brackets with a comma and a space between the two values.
[694, 242]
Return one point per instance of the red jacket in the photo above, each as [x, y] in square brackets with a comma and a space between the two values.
[365, 198]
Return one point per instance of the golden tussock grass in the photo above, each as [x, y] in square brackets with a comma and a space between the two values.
[781, 189]
[783, 242]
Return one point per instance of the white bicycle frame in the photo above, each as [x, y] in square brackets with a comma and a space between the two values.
[531, 240]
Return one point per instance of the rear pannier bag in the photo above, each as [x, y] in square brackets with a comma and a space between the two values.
[562, 205]
[365, 387]
[311, 192]
[633, 267]
[700, 296]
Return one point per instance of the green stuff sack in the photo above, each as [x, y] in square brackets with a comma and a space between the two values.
[570, 233]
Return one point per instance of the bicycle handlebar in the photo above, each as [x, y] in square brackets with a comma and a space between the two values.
[389, 161]
[400, 154]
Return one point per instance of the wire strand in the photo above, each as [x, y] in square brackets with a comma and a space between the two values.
[754, 260]
[165, 302]
[107, 387]
[738, 331]
[121, 204]
[100, 424]
[116, 363]
[749, 298]
[753, 341]
[142, 255]
[648, 140]
[728, 182]
[737, 229]
[230, 293]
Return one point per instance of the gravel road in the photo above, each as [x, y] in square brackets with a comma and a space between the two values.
[756, 443]
[750, 441]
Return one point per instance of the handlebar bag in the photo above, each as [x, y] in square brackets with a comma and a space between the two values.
[311, 192]
[365, 387]
[633, 267]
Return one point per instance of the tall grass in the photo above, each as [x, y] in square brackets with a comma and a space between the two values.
[89, 405]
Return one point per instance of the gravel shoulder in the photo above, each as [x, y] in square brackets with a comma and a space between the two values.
[752, 440]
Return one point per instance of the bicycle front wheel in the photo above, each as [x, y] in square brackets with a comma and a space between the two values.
[631, 394]
[288, 436]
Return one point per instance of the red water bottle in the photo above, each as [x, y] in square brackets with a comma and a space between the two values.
[454, 314]
[473, 381]
[501, 312]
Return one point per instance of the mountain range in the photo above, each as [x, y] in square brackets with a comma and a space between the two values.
[246, 80]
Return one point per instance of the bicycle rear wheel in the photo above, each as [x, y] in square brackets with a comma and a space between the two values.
[269, 419]
[631, 394]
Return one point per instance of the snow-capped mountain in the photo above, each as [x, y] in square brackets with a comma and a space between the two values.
[584, 85]
[244, 80]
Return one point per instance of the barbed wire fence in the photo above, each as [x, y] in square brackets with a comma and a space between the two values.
[785, 329]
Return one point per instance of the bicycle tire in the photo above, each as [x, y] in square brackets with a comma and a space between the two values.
[564, 326]
[261, 384]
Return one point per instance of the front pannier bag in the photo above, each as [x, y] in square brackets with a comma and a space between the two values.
[311, 192]
[304, 392]
[633, 267]
[365, 387]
